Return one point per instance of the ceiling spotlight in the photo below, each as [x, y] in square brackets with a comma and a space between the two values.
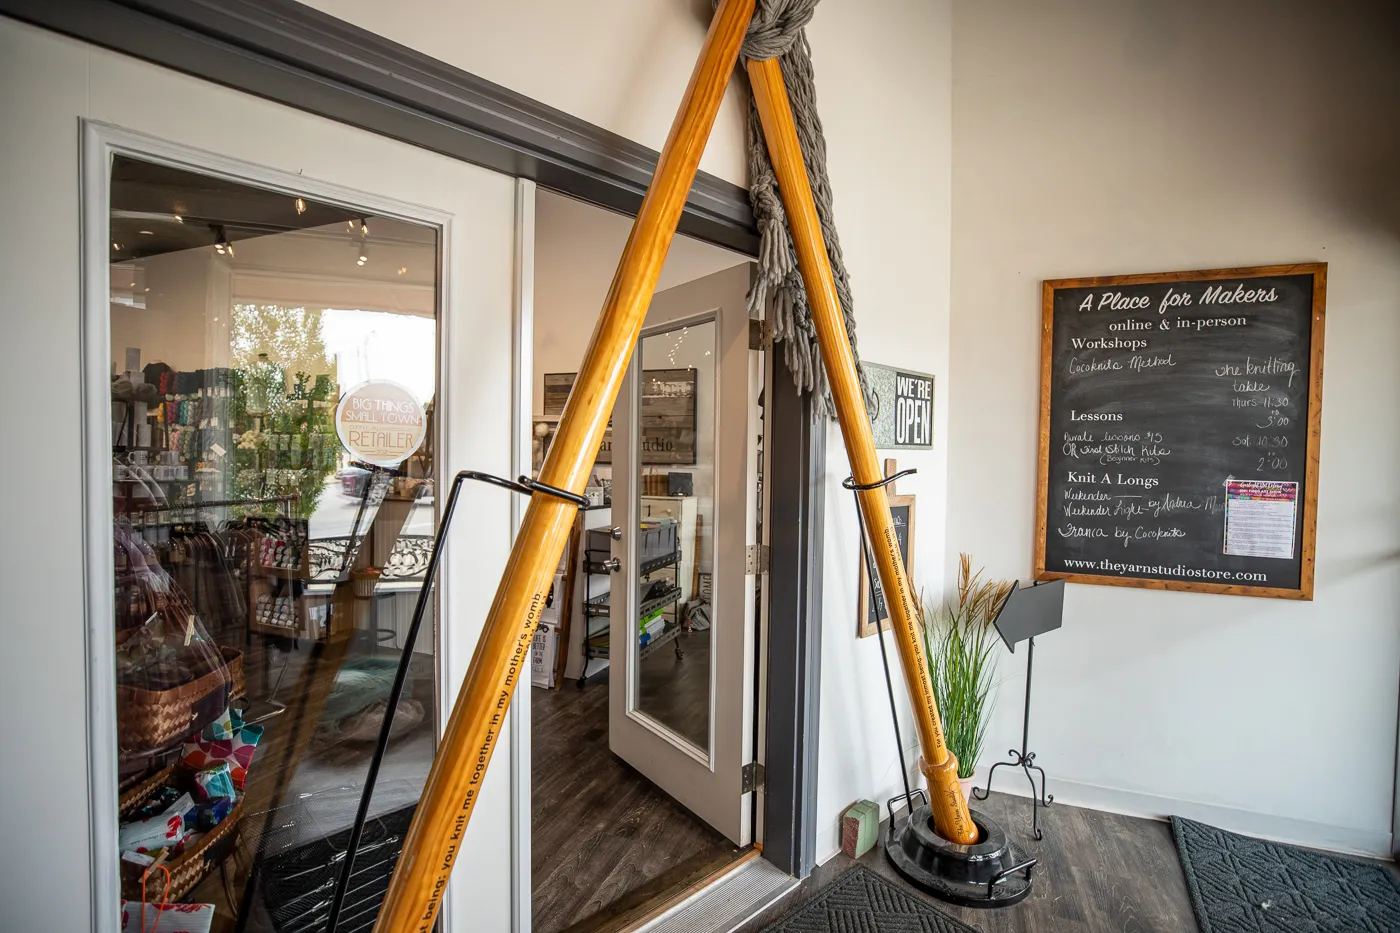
[178, 218]
[364, 227]
[221, 244]
[116, 245]
[403, 269]
[363, 254]
[301, 206]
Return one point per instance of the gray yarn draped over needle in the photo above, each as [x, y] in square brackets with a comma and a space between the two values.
[777, 31]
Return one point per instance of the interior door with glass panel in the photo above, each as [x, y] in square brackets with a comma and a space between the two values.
[685, 469]
[298, 364]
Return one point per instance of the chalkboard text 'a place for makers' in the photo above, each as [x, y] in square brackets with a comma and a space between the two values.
[1179, 426]
[1171, 298]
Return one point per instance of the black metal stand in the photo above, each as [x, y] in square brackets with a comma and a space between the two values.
[1024, 759]
[977, 875]
[523, 485]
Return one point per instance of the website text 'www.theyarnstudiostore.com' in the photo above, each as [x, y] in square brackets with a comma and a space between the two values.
[1157, 570]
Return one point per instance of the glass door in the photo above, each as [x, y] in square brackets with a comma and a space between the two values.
[275, 375]
[286, 391]
[684, 481]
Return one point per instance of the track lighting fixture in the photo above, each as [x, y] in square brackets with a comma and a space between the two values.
[301, 206]
[221, 244]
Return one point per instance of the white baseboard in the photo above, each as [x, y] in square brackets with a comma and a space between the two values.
[829, 843]
[1350, 840]
[1345, 839]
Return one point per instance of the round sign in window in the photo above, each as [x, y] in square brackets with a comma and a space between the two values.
[380, 422]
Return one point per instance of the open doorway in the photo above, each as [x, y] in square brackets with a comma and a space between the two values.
[642, 711]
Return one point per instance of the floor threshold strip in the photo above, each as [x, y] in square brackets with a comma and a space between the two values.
[724, 906]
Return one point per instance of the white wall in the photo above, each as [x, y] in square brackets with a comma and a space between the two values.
[884, 92]
[1099, 137]
[620, 64]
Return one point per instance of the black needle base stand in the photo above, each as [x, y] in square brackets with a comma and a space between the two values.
[1023, 759]
[988, 873]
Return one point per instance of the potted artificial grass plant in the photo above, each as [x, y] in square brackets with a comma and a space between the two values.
[960, 643]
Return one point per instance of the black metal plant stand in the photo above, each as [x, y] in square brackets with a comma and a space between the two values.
[983, 874]
[523, 485]
[1023, 759]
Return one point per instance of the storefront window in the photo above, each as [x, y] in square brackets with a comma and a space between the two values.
[273, 384]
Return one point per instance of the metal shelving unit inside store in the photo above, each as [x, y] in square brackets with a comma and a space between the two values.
[654, 536]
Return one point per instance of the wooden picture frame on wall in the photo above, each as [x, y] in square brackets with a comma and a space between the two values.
[902, 510]
[1309, 424]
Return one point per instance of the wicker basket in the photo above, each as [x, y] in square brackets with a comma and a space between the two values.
[234, 659]
[189, 867]
[153, 719]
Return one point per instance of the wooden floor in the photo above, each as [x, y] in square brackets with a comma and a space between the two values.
[604, 838]
[1099, 872]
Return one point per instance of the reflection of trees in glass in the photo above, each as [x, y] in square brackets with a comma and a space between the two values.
[291, 338]
[283, 405]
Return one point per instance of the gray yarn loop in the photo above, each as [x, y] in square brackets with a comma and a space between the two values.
[776, 31]
[775, 28]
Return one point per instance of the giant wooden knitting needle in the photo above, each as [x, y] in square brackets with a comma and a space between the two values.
[958, 858]
[938, 763]
[455, 780]
[440, 822]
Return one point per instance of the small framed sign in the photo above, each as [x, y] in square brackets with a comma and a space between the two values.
[901, 414]
[872, 613]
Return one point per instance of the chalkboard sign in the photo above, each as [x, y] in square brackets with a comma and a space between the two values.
[1179, 427]
[668, 414]
[874, 615]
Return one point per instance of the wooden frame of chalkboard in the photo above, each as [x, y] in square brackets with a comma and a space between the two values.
[902, 510]
[1197, 383]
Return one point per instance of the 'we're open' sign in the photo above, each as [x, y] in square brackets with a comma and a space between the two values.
[902, 412]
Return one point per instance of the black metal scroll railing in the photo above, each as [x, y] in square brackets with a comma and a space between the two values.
[408, 559]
